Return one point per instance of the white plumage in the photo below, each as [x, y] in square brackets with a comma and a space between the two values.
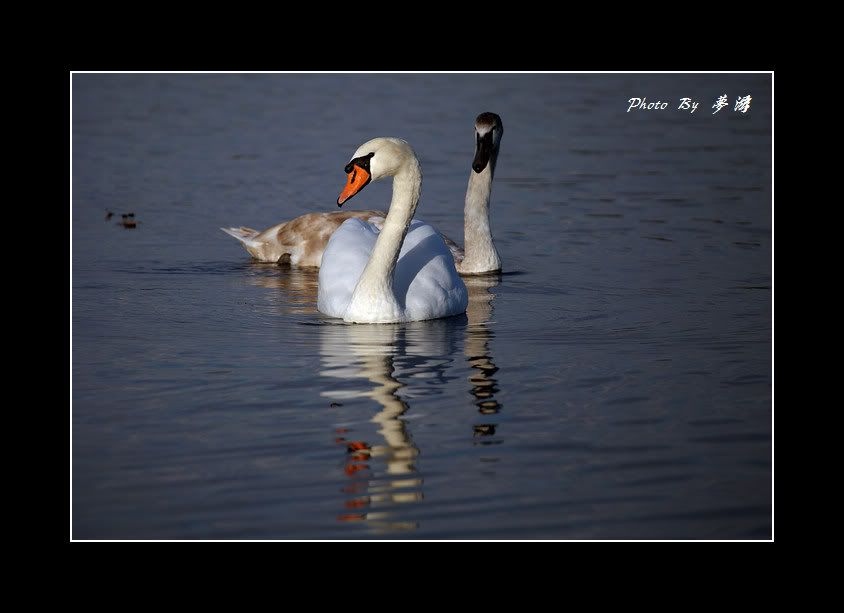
[402, 272]
[425, 283]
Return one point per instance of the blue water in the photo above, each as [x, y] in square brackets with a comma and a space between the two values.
[613, 382]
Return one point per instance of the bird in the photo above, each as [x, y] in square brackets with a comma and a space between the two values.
[479, 255]
[302, 241]
[128, 220]
[400, 272]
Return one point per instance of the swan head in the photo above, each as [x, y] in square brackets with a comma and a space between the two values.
[374, 160]
[488, 131]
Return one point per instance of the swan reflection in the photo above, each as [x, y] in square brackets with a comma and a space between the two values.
[476, 349]
[298, 285]
[400, 362]
[397, 363]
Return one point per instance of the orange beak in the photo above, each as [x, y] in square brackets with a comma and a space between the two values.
[357, 180]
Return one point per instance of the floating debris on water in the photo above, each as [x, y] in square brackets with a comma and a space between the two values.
[128, 220]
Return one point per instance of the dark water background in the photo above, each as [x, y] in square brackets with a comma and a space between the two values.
[615, 382]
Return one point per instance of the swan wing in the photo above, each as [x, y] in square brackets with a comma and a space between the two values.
[426, 280]
[426, 283]
[455, 249]
[300, 241]
[343, 261]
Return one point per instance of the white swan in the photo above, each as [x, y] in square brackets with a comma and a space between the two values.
[480, 255]
[405, 271]
[302, 241]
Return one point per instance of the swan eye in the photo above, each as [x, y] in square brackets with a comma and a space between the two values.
[362, 161]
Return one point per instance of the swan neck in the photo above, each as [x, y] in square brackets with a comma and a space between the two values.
[374, 291]
[479, 250]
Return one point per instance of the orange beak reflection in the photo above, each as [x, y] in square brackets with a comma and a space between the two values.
[357, 180]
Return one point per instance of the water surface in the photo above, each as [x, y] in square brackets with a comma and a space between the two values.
[613, 382]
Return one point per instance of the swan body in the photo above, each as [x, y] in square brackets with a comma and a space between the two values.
[302, 241]
[400, 272]
[299, 241]
[418, 291]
